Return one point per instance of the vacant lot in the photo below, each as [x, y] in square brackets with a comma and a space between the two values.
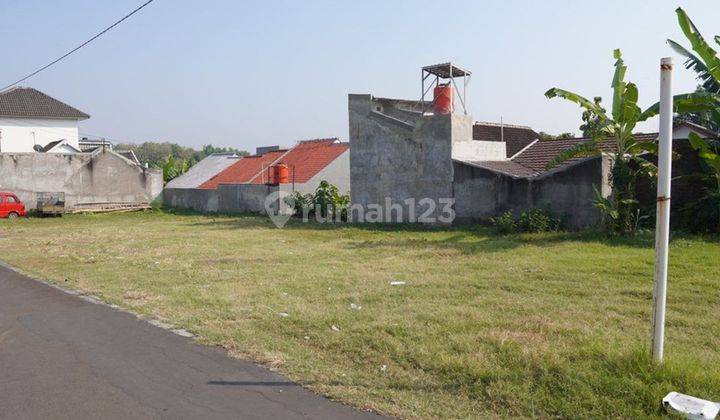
[536, 325]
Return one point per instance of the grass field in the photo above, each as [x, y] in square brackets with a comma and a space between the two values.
[532, 325]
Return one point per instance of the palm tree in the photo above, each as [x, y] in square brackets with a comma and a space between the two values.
[627, 153]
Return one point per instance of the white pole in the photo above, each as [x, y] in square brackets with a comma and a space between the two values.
[662, 227]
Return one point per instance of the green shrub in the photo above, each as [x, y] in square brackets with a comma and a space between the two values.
[327, 201]
[536, 220]
[533, 220]
[300, 203]
[505, 223]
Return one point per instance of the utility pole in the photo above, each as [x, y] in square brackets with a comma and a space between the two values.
[662, 226]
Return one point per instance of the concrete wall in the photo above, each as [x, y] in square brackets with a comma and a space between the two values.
[85, 178]
[395, 161]
[227, 198]
[481, 193]
[479, 150]
[19, 135]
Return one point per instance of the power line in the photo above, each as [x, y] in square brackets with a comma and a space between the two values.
[78, 47]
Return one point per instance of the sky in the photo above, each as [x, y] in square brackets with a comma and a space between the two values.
[247, 74]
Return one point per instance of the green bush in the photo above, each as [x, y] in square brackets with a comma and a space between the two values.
[505, 223]
[327, 201]
[536, 220]
[300, 203]
[533, 220]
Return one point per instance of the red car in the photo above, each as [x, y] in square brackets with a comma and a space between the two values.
[11, 206]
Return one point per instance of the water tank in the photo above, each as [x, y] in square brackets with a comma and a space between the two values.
[278, 174]
[443, 99]
[282, 174]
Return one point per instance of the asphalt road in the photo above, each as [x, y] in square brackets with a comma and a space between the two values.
[64, 357]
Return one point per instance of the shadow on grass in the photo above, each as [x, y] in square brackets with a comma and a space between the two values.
[466, 238]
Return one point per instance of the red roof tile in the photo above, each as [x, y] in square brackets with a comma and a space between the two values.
[243, 171]
[309, 157]
[304, 161]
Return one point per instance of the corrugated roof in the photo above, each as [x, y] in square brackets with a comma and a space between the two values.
[25, 102]
[309, 157]
[203, 170]
[516, 136]
[244, 170]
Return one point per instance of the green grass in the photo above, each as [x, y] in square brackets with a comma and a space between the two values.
[550, 325]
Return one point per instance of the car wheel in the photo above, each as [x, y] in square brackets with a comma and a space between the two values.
[13, 216]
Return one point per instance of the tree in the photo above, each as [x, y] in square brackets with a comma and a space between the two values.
[627, 153]
[546, 136]
[155, 153]
[707, 67]
[592, 123]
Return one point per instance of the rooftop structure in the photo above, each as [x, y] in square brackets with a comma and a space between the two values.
[432, 75]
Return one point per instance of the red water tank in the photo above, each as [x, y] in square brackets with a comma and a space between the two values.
[279, 174]
[443, 99]
[282, 174]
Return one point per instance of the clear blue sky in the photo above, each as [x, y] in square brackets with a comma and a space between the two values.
[245, 74]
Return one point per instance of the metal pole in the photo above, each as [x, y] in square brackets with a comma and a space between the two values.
[662, 227]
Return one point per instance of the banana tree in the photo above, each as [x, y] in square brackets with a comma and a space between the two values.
[614, 133]
[706, 65]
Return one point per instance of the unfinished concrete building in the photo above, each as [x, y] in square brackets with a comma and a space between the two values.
[404, 151]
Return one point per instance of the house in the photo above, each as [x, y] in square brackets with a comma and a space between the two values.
[40, 152]
[402, 156]
[242, 184]
[57, 146]
[203, 170]
[309, 163]
[31, 121]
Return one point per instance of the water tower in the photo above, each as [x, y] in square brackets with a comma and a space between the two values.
[441, 77]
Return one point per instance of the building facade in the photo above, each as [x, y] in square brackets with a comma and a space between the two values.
[31, 120]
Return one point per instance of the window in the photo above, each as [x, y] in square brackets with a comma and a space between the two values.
[11, 199]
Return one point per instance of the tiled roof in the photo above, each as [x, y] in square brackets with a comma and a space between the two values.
[57, 143]
[308, 158]
[540, 154]
[304, 161]
[244, 170]
[50, 145]
[203, 170]
[516, 136]
[534, 160]
[506, 167]
[22, 102]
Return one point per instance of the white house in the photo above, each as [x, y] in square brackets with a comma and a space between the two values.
[31, 121]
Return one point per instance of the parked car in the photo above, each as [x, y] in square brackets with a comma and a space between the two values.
[11, 206]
